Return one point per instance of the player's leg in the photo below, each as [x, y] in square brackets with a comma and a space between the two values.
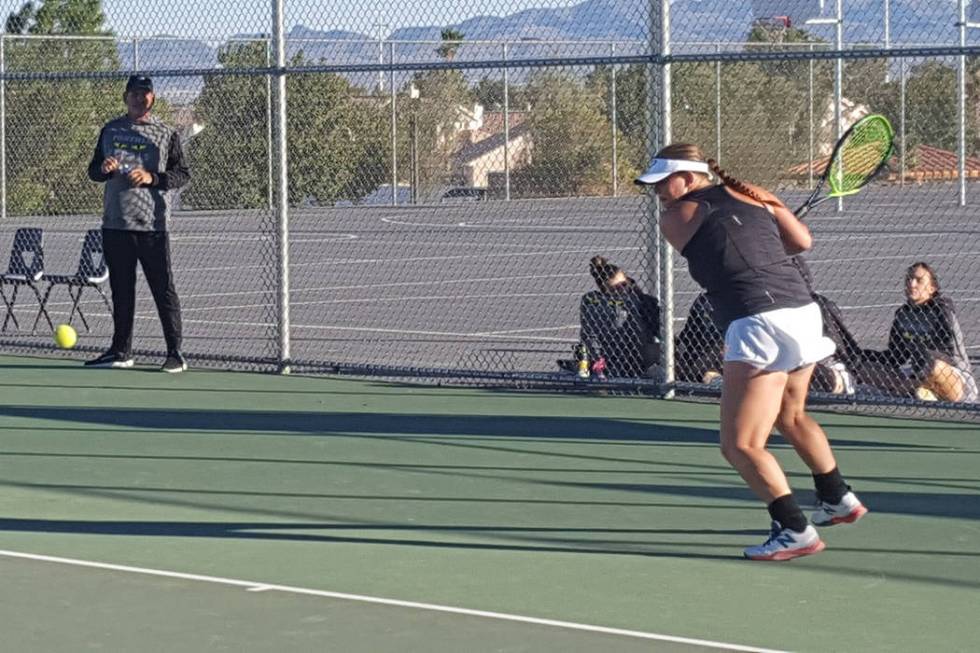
[750, 402]
[836, 503]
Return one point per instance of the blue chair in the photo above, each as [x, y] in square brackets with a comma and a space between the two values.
[92, 272]
[26, 268]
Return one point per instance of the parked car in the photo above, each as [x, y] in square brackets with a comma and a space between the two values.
[465, 194]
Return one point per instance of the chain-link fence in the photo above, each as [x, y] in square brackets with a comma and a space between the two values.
[434, 192]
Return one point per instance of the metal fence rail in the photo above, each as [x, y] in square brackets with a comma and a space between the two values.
[374, 197]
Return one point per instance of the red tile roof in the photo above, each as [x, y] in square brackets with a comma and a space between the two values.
[924, 162]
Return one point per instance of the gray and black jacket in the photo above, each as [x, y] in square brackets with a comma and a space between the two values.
[156, 148]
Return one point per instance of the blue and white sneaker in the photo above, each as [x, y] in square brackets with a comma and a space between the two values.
[784, 544]
[848, 510]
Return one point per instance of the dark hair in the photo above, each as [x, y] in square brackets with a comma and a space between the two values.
[602, 270]
[732, 182]
[928, 268]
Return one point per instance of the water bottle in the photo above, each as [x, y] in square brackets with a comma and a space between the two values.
[582, 356]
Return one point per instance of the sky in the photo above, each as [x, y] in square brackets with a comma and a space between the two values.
[223, 18]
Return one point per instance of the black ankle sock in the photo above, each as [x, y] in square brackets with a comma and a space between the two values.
[787, 512]
[831, 487]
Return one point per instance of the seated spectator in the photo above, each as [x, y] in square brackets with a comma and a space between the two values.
[699, 346]
[620, 326]
[926, 356]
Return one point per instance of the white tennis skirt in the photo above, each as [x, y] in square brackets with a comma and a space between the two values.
[780, 340]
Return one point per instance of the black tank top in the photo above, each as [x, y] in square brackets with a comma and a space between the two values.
[737, 256]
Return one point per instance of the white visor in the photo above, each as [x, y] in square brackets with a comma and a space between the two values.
[660, 169]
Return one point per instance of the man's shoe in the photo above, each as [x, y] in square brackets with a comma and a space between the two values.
[175, 363]
[784, 544]
[111, 359]
[849, 510]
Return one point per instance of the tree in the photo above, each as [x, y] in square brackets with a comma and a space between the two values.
[335, 137]
[631, 116]
[931, 108]
[431, 121]
[451, 40]
[229, 158]
[52, 125]
[569, 136]
[490, 93]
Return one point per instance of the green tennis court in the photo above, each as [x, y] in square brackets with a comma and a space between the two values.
[231, 511]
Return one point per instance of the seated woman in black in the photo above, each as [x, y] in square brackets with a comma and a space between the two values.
[926, 356]
[620, 325]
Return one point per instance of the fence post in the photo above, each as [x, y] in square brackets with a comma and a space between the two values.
[718, 106]
[394, 126]
[901, 118]
[283, 185]
[3, 128]
[506, 127]
[613, 118]
[888, 38]
[839, 84]
[809, 165]
[961, 106]
[268, 126]
[659, 84]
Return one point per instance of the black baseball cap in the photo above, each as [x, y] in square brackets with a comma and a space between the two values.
[139, 83]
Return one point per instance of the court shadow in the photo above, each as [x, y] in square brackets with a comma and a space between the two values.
[956, 505]
[572, 427]
[522, 539]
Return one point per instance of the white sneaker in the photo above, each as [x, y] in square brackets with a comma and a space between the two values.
[849, 510]
[784, 544]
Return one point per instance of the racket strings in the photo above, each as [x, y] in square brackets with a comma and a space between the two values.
[861, 156]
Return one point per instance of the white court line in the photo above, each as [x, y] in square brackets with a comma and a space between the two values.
[327, 327]
[466, 225]
[845, 236]
[384, 300]
[368, 286]
[561, 327]
[377, 600]
[874, 257]
[414, 259]
[209, 239]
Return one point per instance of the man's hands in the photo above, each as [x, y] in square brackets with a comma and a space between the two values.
[136, 177]
[140, 177]
[110, 164]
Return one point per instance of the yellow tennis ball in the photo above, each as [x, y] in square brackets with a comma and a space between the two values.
[65, 336]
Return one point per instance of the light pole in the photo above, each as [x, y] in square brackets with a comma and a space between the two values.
[381, 29]
[414, 151]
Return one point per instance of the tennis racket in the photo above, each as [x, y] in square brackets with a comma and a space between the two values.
[858, 157]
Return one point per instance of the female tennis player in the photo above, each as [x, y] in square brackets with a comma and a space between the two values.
[738, 239]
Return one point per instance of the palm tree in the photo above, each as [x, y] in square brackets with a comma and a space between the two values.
[451, 40]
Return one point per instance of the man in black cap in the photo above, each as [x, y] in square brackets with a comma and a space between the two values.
[140, 160]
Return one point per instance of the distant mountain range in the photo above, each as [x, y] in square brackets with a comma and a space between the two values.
[623, 21]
